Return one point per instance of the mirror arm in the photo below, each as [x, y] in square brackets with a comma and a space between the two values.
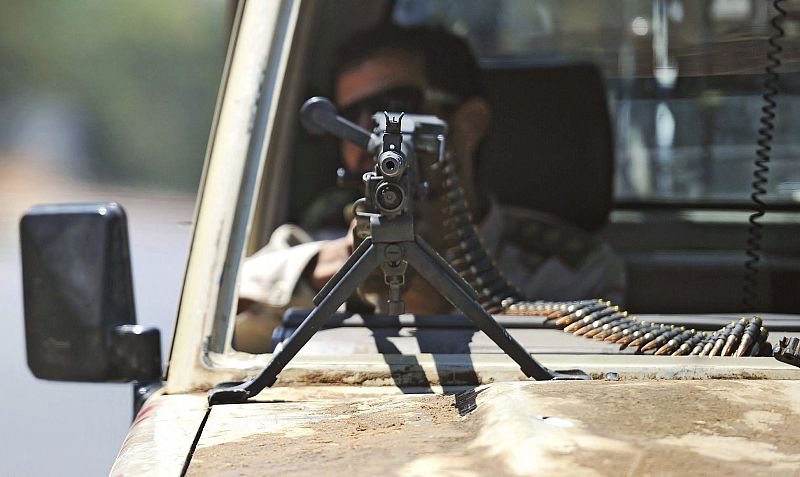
[136, 353]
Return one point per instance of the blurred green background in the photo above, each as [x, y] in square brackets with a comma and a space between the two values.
[99, 101]
[118, 91]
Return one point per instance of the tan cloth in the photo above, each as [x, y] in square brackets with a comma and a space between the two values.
[272, 275]
[525, 245]
[272, 279]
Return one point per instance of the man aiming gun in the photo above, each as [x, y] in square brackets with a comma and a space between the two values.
[421, 71]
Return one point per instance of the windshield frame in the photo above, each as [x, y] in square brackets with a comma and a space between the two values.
[240, 148]
[246, 146]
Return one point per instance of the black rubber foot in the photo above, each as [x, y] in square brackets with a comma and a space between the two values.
[571, 375]
[228, 395]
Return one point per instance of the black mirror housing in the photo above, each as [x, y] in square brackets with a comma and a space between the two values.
[78, 295]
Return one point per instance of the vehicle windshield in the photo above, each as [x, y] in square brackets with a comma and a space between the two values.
[684, 82]
[590, 111]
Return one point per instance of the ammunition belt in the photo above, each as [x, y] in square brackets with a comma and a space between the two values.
[603, 321]
[597, 319]
[465, 250]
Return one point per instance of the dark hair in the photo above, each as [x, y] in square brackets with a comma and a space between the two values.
[448, 60]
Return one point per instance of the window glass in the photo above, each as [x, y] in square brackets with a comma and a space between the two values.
[684, 80]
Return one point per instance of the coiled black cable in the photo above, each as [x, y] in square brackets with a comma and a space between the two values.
[763, 153]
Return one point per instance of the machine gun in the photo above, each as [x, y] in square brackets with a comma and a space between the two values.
[467, 256]
[390, 243]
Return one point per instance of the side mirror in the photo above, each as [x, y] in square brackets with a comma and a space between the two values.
[80, 323]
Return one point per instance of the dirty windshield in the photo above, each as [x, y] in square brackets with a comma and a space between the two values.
[579, 167]
[684, 83]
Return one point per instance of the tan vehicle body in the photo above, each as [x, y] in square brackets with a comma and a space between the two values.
[669, 416]
[331, 415]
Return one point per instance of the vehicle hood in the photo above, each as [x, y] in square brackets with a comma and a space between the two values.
[641, 427]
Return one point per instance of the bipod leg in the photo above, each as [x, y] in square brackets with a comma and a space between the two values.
[435, 270]
[354, 272]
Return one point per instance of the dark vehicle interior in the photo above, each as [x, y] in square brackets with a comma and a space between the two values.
[593, 124]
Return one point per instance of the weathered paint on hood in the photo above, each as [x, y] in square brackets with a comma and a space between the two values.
[161, 436]
[658, 427]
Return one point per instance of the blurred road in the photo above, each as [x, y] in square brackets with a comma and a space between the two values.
[76, 429]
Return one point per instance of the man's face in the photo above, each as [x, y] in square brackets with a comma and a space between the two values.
[376, 83]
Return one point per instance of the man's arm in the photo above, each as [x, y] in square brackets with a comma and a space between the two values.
[286, 273]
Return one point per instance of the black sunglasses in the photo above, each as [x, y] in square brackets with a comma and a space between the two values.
[398, 99]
